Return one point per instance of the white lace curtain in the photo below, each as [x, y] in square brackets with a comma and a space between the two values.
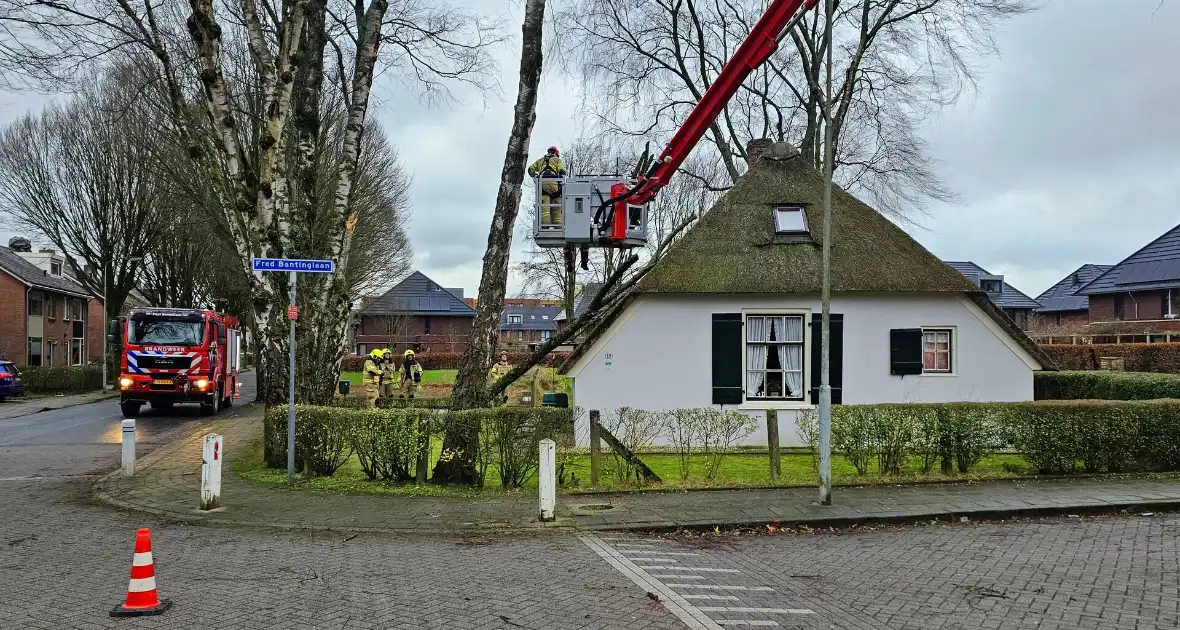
[760, 330]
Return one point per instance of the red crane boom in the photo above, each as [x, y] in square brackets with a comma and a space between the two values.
[779, 19]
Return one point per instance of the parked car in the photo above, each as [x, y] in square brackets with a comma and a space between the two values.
[11, 383]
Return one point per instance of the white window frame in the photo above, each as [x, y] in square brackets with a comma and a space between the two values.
[1171, 311]
[779, 403]
[953, 341]
[516, 319]
[788, 207]
[545, 334]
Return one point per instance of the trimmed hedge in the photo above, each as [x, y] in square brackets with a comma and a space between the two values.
[1056, 437]
[1093, 385]
[1139, 357]
[62, 380]
[387, 442]
[447, 360]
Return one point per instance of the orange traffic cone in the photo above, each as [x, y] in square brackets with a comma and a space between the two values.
[141, 590]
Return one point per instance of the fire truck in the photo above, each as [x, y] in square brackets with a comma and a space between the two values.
[177, 355]
[609, 211]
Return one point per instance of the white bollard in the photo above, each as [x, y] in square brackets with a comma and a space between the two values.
[211, 472]
[547, 478]
[128, 447]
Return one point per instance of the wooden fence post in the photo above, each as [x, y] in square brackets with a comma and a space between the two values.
[772, 443]
[595, 450]
[423, 463]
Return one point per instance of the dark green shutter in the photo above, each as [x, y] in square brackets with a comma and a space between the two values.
[727, 359]
[905, 351]
[835, 354]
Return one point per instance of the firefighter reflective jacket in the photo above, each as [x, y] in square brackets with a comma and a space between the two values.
[547, 166]
[372, 372]
[411, 370]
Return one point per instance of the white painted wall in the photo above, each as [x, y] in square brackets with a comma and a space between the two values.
[660, 354]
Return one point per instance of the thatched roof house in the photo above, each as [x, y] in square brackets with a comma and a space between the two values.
[731, 313]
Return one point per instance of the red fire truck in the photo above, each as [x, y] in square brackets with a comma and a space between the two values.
[177, 355]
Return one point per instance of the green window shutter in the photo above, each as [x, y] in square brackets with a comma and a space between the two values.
[727, 359]
[835, 352]
[905, 351]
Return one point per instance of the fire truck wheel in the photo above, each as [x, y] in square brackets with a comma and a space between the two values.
[211, 408]
[130, 409]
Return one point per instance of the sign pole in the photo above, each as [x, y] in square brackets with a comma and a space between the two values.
[291, 398]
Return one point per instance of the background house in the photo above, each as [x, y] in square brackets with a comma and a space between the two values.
[45, 317]
[1014, 303]
[1062, 308]
[1141, 294]
[417, 313]
[524, 325]
[730, 316]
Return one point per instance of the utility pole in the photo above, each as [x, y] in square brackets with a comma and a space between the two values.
[825, 388]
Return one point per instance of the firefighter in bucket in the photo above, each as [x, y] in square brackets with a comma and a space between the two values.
[549, 167]
[411, 375]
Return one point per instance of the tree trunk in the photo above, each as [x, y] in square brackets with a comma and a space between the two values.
[470, 389]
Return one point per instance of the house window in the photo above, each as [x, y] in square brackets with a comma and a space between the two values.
[1120, 308]
[426, 324]
[790, 220]
[774, 357]
[55, 268]
[515, 319]
[79, 310]
[993, 286]
[51, 306]
[36, 303]
[76, 352]
[1171, 303]
[34, 351]
[544, 317]
[520, 335]
[936, 350]
[49, 353]
[545, 335]
[1021, 318]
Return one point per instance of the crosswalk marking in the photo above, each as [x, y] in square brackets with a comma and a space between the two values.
[745, 622]
[661, 552]
[768, 611]
[701, 569]
[721, 587]
[677, 576]
[712, 597]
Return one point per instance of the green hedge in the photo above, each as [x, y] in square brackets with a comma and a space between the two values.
[387, 442]
[1080, 385]
[1056, 437]
[62, 380]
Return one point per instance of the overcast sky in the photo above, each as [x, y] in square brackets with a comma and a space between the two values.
[1069, 154]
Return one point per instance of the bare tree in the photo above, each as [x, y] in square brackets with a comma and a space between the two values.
[76, 175]
[258, 73]
[470, 383]
[645, 65]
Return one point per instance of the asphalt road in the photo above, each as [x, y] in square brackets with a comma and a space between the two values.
[65, 562]
[85, 440]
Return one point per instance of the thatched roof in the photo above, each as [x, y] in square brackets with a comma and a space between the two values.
[733, 248]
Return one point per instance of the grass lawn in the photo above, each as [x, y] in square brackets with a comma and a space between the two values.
[429, 377]
[736, 470]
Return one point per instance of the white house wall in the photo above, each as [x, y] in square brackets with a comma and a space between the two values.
[660, 355]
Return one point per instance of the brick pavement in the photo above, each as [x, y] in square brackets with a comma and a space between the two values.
[167, 483]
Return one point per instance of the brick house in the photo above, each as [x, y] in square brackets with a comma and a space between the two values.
[417, 313]
[1015, 304]
[1062, 308]
[525, 323]
[46, 318]
[1140, 294]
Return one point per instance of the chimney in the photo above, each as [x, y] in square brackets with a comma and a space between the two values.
[20, 244]
[756, 148]
[781, 151]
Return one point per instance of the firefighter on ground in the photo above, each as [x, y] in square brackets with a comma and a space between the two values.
[499, 369]
[371, 379]
[388, 373]
[411, 374]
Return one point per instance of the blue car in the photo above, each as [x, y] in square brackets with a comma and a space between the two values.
[11, 383]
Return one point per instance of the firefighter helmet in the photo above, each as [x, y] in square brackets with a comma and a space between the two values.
[408, 353]
[376, 354]
[553, 151]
